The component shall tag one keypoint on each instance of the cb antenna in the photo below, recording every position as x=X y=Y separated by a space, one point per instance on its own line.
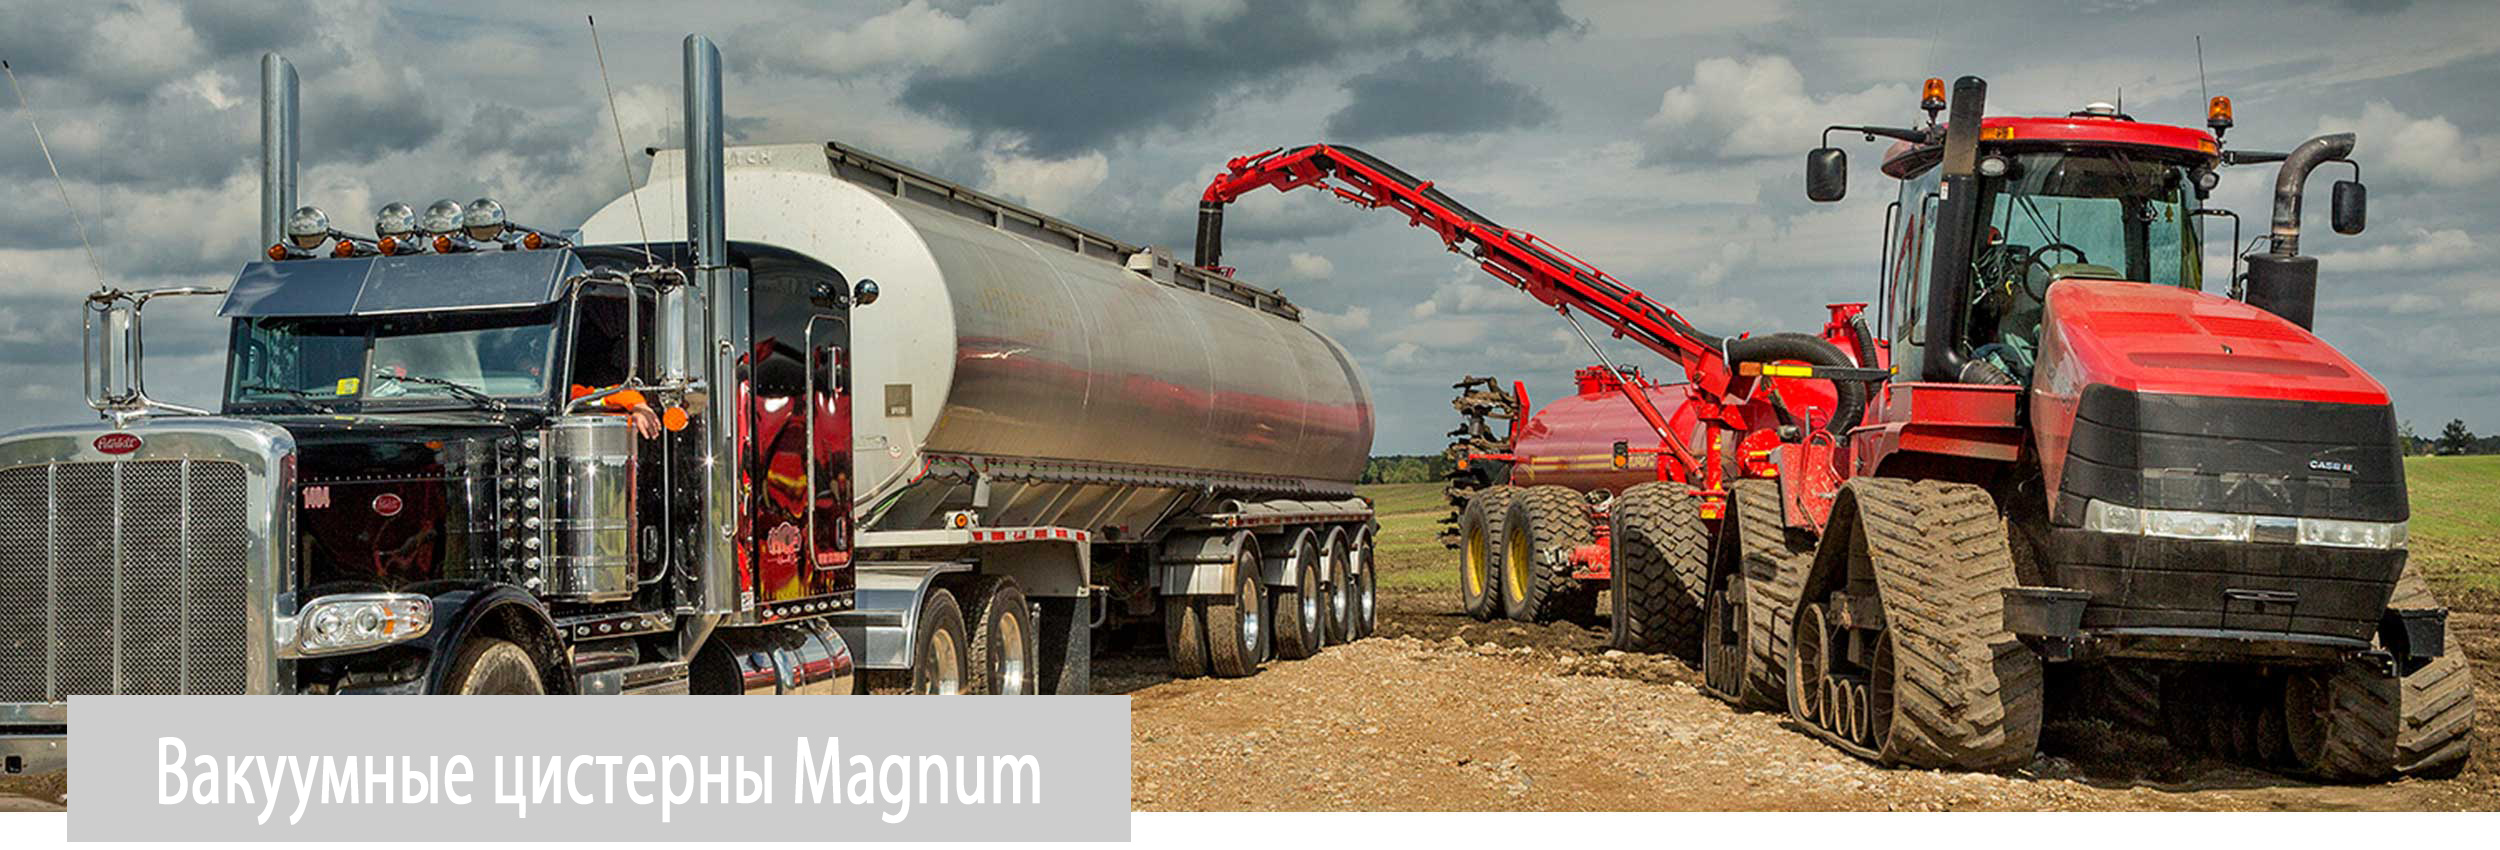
x=57 y=182
x=2201 y=90
x=623 y=159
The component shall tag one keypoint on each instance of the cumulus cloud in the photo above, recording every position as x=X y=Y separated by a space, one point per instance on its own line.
x=1434 y=96
x=2430 y=151
x=1751 y=107
x=1050 y=185
x=2421 y=249
x=1311 y=267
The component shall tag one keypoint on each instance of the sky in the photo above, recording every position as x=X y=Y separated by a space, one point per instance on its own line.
x=1662 y=142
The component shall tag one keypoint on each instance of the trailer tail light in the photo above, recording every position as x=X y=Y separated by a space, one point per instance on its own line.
x=1623 y=454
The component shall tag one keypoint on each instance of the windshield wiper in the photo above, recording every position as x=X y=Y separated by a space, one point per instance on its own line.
x=300 y=395
x=464 y=391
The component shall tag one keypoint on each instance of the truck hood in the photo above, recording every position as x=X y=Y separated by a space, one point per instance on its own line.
x=2165 y=340
x=387 y=502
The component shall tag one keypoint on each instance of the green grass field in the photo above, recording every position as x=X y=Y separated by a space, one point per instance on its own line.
x=2455 y=531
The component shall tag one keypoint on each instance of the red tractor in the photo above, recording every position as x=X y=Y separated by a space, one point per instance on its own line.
x=2049 y=468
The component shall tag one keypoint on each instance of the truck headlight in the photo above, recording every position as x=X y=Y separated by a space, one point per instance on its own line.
x=349 y=622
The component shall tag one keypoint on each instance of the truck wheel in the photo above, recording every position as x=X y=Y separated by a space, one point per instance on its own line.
x=1005 y=652
x=1661 y=565
x=2359 y=722
x=1367 y=586
x=1237 y=635
x=1773 y=561
x=1480 y=551
x=1302 y=611
x=494 y=666
x=1545 y=524
x=1185 y=636
x=1948 y=686
x=941 y=665
x=1341 y=587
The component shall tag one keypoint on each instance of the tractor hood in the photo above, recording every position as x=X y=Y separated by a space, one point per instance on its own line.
x=2165 y=340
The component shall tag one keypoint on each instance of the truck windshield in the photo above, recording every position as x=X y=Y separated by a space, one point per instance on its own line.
x=2089 y=214
x=340 y=364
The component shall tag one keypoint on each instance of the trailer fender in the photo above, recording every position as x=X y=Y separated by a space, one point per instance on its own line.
x=1277 y=551
x=1201 y=564
x=498 y=611
x=1044 y=568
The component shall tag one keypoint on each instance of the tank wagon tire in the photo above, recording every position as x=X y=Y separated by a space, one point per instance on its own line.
x=1774 y=561
x=1237 y=628
x=1480 y=551
x=494 y=666
x=1005 y=650
x=942 y=664
x=1340 y=587
x=1301 y=619
x=1545 y=524
x=1184 y=637
x=1961 y=692
x=1367 y=586
x=2358 y=722
x=1661 y=568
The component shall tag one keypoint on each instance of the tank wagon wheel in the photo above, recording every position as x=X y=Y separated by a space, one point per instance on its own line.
x=1661 y=569
x=1301 y=619
x=1185 y=636
x=1481 y=548
x=1237 y=629
x=943 y=665
x=2360 y=722
x=1367 y=587
x=1341 y=586
x=493 y=666
x=1958 y=690
x=1546 y=523
x=1004 y=651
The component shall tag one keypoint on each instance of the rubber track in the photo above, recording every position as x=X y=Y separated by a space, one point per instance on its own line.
x=1662 y=566
x=1775 y=567
x=1557 y=521
x=2421 y=725
x=1969 y=693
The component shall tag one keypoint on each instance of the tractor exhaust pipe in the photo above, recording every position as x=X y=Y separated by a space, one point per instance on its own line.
x=1957 y=220
x=2281 y=281
x=277 y=147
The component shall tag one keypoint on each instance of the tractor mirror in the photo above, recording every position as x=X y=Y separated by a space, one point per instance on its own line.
x=1827 y=174
x=2352 y=206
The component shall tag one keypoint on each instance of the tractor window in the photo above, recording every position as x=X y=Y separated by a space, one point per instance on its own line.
x=1910 y=242
x=2057 y=215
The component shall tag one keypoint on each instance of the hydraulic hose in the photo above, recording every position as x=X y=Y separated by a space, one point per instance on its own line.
x=1812 y=350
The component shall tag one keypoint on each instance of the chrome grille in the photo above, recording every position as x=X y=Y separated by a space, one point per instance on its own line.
x=122 y=577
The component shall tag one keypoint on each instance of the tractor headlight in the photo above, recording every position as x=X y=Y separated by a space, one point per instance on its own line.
x=2351 y=534
x=349 y=622
x=2107 y=518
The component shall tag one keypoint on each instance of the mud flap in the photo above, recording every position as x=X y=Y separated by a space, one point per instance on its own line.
x=1067 y=644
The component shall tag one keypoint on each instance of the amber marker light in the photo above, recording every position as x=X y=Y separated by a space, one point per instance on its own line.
x=2218 y=113
x=1931 y=95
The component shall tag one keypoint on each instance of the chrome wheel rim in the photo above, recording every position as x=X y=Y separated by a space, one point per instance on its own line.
x=945 y=668
x=1009 y=660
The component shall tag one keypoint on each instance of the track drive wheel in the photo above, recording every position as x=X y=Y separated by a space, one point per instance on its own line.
x=1661 y=567
x=1480 y=551
x=1545 y=524
x=1760 y=598
x=2360 y=722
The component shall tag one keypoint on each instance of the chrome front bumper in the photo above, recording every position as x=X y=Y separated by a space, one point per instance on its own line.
x=34 y=738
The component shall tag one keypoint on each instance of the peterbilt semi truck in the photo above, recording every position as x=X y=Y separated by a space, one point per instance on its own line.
x=811 y=422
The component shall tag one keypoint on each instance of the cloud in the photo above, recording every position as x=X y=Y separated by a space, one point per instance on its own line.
x=2418 y=152
x=1310 y=266
x=1050 y=185
x=2423 y=249
x=1747 y=108
x=1434 y=96
x=911 y=35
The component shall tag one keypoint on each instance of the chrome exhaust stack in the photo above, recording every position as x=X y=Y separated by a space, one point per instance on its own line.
x=724 y=307
x=278 y=135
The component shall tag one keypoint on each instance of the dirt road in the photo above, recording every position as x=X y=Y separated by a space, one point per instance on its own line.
x=1446 y=713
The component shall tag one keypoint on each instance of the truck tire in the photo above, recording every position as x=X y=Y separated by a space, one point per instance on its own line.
x=1302 y=610
x=494 y=666
x=2359 y=722
x=1774 y=560
x=1185 y=636
x=1480 y=551
x=1661 y=564
x=1005 y=653
x=1367 y=585
x=1545 y=524
x=1341 y=586
x=1237 y=633
x=941 y=660
x=1948 y=687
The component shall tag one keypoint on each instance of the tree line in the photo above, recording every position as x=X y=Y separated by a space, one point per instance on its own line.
x=2453 y=439
x=1408 y=469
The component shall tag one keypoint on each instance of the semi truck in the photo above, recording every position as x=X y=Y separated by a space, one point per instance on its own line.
x=783 y=419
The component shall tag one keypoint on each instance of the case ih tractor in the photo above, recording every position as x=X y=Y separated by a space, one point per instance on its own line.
x=2049 y=469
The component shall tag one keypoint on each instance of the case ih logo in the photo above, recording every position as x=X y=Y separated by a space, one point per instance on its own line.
x=2331 y=466
x=387 y=504
x=117 y=443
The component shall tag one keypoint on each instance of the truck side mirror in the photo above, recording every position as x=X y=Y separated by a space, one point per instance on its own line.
x=866 y=292
x=2352 y=206
x=1827 y=174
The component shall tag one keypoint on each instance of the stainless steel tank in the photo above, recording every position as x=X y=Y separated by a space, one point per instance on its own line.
x=1038 y=357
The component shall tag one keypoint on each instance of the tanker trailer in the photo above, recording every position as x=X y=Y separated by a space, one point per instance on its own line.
x=1054 y=415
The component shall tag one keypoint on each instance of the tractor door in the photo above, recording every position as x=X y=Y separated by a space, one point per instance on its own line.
x=1907 y=253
